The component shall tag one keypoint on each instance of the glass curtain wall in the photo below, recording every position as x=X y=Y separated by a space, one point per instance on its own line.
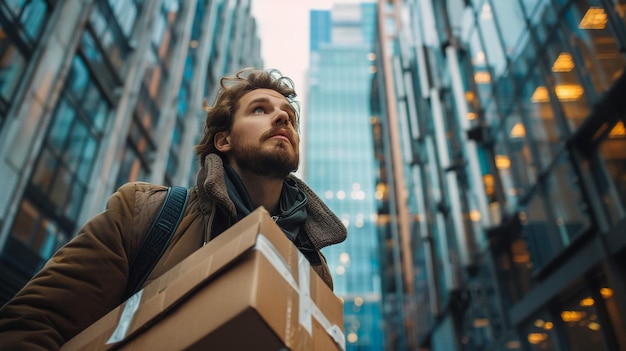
x=48 y=212
x=517 y=121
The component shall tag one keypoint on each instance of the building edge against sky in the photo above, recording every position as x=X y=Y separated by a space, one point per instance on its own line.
x=499 y=131
x=339 y=163
x=97 y=93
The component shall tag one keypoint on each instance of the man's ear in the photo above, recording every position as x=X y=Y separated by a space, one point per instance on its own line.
x=222 y=141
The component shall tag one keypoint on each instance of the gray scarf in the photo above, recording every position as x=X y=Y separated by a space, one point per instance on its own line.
x=292 y=203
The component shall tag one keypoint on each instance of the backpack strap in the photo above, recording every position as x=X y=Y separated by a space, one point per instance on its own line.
x=158 y=238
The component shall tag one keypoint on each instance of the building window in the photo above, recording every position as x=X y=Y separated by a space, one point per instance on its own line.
x=137 y=158
x=173 y=160
x=541 y=125
x=620 y=7
x=565 y=200
x=539 y=230
x=140 y=148
x=540 y=333
x=38 y=232
x=510 y=19
x=21 y=25
x=582 y=323
x=568 y=89
x=594 y=42
x=517 y=161
x=57 y=186
x=112 y=23
x=608 y=165
x=12 y=64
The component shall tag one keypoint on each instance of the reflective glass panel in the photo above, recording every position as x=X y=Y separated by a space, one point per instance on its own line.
x=582 y=323
x=61 y=125
x=531 y=6
x=591 y=39
x=566 y=202
x=131 y=167
x=482 y=72
x=611 y=173
x=511 y=22
x=12 y=65
x=42 y=176
x=88 y=157
x=60 y=186
x=615 y=318
x=78 y=78
x=523 y=266
x=568 y=88
x=495 y=59
x=620 y=8
x=125 y=13
x=37 y=231
x=512 y=160
x=543 y=129
x=540 y=333
x=543 y=21
x=524 y=57
x=33 y=17
x=523 y=168
x=540 y=231
x=75 y=145
x=25 y=222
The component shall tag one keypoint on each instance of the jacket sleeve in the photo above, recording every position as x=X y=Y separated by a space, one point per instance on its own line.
x=84 y=280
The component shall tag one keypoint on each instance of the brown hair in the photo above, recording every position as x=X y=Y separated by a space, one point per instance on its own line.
x=220 y=116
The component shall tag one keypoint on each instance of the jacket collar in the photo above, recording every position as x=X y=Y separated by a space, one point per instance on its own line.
x=322 y=225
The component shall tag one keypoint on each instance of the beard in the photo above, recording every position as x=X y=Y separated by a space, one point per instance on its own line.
x=272 y=162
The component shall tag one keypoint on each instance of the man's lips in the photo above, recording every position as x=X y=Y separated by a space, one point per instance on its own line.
x=282 y=135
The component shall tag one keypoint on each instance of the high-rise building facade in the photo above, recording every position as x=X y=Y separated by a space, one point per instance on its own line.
x=503 y=155
x=339 y=163
x=97 y=93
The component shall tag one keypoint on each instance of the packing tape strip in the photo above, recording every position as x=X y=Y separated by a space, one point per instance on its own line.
x=304 y=278
x=132 y=305
x=307 y=308
x=269 y=251
x=332 y=329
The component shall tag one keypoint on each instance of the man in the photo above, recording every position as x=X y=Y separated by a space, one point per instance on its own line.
x=249 y=149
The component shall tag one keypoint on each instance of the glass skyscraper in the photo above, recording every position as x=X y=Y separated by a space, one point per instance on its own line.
x=339 y=162
x=503 y=152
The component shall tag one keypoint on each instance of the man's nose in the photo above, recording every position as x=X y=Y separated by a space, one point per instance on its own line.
x=281 y=117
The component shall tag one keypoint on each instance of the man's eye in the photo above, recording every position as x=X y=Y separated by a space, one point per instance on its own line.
x=258 y=110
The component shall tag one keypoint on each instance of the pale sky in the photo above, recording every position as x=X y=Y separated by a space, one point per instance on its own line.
x=283 y=26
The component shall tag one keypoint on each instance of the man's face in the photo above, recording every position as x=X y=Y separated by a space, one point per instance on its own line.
x=263 y=139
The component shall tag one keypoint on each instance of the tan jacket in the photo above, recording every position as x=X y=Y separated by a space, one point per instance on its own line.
x=87 y=277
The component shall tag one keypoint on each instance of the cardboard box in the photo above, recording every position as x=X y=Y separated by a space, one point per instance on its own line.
x=248 y=289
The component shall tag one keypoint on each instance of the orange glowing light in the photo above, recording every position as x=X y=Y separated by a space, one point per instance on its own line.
x=563 y=63
x=594 y=18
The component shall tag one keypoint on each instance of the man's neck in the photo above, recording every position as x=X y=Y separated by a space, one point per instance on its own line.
x=263 y=191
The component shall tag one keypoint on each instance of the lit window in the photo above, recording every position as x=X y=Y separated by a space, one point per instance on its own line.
x=503 y=162
x=595 y=18
x=618 y=131
x=563 y=63
x=518 y=130
x=482 y=77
